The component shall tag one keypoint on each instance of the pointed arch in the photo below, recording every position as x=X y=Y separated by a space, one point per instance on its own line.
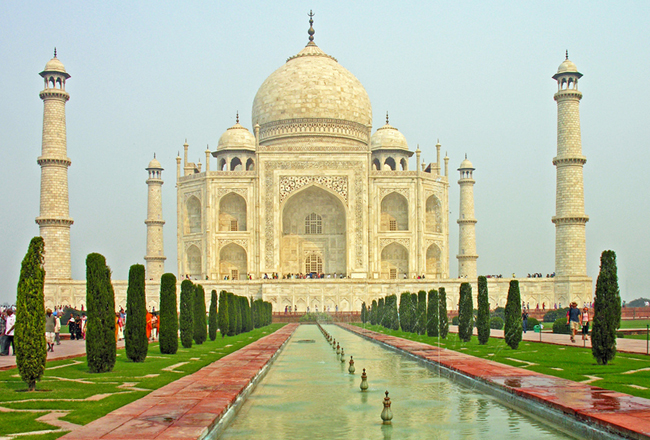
x=376 y=165
x=433 y=215
x=394 y=213
x=193 y=215
x=394 y=261
x=235 y=164
x=434 y=262
x=404 y=164
x=250 y=164
x=389 y=164
x=193 y=261
x=222 y=165
x=233 y=262
x=232 y=213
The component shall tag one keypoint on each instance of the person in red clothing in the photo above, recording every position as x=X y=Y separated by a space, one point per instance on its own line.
x=149 y=325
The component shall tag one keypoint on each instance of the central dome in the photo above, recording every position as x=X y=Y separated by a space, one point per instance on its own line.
x=312 y=94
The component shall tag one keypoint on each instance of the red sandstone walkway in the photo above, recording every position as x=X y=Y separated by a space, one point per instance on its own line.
x=189 y=407
x=623 y=345
x=627 y=415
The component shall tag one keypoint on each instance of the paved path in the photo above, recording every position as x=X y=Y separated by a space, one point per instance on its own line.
x=616 y=412
x=191 y=406
x=623 y=345
x=68 y=349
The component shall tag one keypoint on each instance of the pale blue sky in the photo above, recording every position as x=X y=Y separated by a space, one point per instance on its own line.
x=477 y=75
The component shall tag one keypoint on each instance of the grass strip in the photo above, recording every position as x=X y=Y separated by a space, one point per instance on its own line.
x=89 y=396
x=627 y=373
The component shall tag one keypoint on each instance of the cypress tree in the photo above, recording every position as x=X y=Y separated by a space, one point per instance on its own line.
x=607 y=310
x=135 y=331
x=29 y=331
x=465 y=313
x=223 y=313
x=168 y=315
x=212 y=321
x=100 y=323
x=414 y=312
x=200 y=326
x=380 y=312
x=422 y=312
x=232 y=315
x=238 y=315
x=483 y=314
x=432 y=314
x=405 y=311
x=373 y=312
x=364 y=313
x=187 y=313
x=442 y=312
x=513 y=325
x=390 y=315
x=246 y=314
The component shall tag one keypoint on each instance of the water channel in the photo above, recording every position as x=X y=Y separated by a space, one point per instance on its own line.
x=309 y=394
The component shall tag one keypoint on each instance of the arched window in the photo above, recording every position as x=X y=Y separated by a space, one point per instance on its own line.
x=313 y=224
x=313 y=263
x=194 y=261
x=235 y=164
x=376 y=165
x=433 y=215
x=222 y=165
x=389 y=164
x=404 y=164
x=232 y=213
x=394 y=213
x=193 y=215
x=250 y=165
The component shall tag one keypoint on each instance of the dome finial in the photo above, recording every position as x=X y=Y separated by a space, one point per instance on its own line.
x=311 y=30
x=566 y=54
x=154 y=155
x=237 y=117
x=387 y=117
x=55 y=52
x=465 y=155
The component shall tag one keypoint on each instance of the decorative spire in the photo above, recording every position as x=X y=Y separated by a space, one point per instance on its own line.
x=387 y=117
x=55 y=52
x=237 y=117
x=465 y=155
x=311 y=30
x=154 y=155
x=566 y=56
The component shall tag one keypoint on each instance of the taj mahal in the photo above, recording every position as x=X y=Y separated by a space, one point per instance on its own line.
x=312 y=207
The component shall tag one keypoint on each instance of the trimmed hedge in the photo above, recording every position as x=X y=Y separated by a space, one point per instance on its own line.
x=433 y=328
x=560 y=326
x=442 y=312
x=135 y=330
x=200 y=333
x=422 y=312
x=100 y=324
x=465 y=313
x=29 y=330
x=373 y=312
x=496 y=323
x=186 y=319
x=405 y=308
x=513 y=325
x=168 y=315
x=483 y=314
x=212 y=316
x=224 y=318
x=390 y=313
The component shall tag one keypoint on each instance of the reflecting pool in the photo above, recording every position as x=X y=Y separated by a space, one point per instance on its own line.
x=309 y=394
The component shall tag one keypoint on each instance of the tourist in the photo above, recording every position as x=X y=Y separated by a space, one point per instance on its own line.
x=3 y=337
x=149 y=322
x=50 y=324
x=84 y=320
x=78 y=327
x=9 y=332
x=524 y=318
x=154 y=327
x=71 y=327
x=585 y=324
x=57 y=328
x=574 y=319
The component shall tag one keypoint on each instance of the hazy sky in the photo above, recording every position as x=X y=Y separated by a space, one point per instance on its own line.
x=477 y=75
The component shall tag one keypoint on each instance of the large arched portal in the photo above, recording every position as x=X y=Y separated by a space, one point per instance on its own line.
x=434 y=269
x=233 y=262
x=313 y=228
x=232 y=213
x=394 y=262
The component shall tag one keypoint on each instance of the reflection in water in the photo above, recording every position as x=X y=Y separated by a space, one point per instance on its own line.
x=309 y=394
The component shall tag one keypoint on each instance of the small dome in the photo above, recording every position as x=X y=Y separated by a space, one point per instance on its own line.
x=567 y=66
x=154 y=164
x=54 y=65
x=466 y=164
x=236 y=137
x=388 y=137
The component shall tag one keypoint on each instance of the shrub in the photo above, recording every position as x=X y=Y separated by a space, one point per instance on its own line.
x=168 y=315
x=483 y=313
x=391 y=311
x=364 y=313
x=29 y=330
x=380 y=312
x=560 y=326
x=513 y=325
x=232 y=312
x=422 y=312
x=465 y=313
x=187 y=313
x=532 y=322
x=100 y=324
x=552 y=315
x=212 y=316
x=414 y=312
x=432 y=314
x=454 y=320
x=442 y=312
x=405 y=311
x=607 y=310
x=500 y=312
x=135 y=330
x=373 y=312
x=200 y=333
x=224 y=319
x=238 y=314
x=496 y=323
x=315 y=317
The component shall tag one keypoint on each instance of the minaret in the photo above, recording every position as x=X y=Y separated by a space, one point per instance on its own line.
x=467 y=223
x=155 y=257
x=570 y=218
x=54 y=219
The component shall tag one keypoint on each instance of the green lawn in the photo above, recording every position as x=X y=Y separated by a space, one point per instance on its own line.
x=637 y=323
x=573 y=363
x=67 y=383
